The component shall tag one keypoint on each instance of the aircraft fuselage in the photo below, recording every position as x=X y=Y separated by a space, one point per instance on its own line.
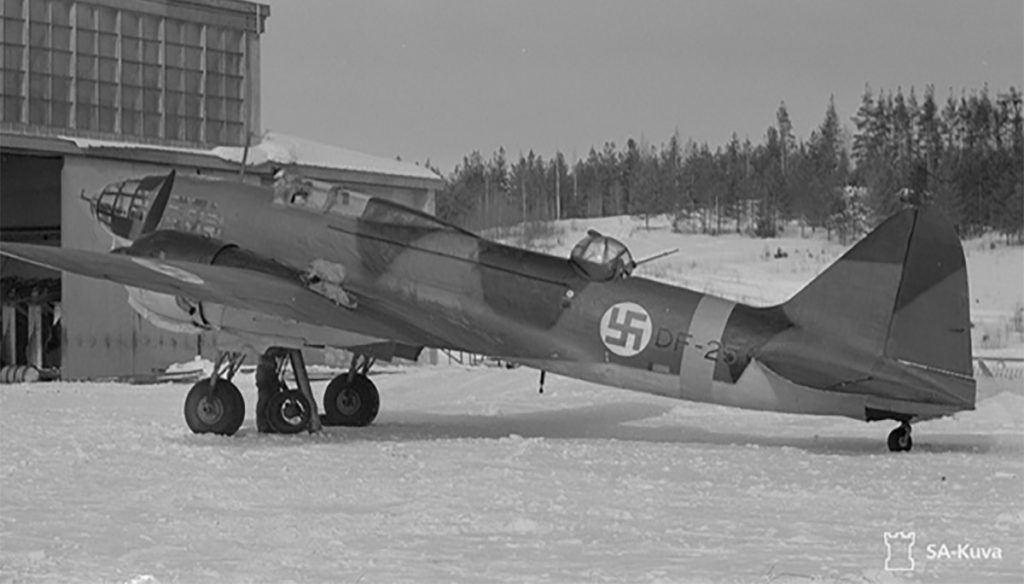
x=444 y=287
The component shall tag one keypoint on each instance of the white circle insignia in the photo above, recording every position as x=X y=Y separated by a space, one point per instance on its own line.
x=169 y=270
x=626 y=329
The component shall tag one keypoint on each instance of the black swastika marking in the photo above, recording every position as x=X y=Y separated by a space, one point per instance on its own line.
x=624 y=329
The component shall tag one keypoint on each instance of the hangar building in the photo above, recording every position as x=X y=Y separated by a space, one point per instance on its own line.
x=98 y=91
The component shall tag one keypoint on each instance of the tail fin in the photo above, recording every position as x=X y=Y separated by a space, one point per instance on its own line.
x=900 y=292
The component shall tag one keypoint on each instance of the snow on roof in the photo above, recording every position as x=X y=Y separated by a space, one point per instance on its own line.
x=278 y=148
x=285 y=149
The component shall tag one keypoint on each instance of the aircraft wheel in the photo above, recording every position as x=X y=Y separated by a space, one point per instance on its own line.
x=899 y=439
x=354 y=404
x=288 y=412
x=219 y=410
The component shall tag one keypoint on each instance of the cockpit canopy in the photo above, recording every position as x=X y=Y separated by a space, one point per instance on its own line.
x=602 y=258
x=121 y=207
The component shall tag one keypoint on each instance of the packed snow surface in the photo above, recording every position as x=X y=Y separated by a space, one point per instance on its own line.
x=469 y=475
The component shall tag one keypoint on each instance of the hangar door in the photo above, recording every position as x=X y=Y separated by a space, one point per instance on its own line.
x=30 y=211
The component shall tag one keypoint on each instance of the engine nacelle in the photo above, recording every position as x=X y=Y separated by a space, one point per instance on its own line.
x=174 y=245
x=172 y=313
x=244 y=328
x=185 y=315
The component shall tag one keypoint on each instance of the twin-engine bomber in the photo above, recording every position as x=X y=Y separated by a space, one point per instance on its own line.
x=882 y=334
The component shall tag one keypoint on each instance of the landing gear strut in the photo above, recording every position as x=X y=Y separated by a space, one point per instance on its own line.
x=351 y=399
x=282 y=409
x=214 y=405
x=899 y=439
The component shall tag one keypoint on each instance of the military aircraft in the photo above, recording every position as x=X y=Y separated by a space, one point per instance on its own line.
x=881 y=334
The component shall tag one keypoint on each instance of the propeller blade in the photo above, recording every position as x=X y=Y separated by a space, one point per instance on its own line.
x=156 y=210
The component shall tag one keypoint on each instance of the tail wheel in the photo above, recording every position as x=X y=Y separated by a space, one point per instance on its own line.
x=899 y=439
x=219 y=409
x=288 y=412
x=351 y=404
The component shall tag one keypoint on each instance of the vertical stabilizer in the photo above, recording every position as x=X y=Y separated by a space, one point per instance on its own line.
x=931 y=317
x=854 y=297
x=900 y=293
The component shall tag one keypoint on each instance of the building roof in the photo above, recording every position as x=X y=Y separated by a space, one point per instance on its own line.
x=275 y=149
x=239 y=14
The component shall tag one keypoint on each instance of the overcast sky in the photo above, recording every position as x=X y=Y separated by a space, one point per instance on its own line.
x=437 y=79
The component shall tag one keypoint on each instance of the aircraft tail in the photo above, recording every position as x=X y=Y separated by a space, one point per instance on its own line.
x=901 y=293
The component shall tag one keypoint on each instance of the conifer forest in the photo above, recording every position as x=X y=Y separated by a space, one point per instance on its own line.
x=963 y=154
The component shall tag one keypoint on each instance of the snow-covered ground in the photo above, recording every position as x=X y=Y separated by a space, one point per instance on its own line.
x=470 y=476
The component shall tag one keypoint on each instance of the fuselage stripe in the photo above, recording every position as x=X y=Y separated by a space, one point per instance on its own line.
x=697 y=368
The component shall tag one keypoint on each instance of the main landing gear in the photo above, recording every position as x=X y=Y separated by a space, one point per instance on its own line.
x=279 y=408
x=214 y=405
x=351 y=399
x=899 y=439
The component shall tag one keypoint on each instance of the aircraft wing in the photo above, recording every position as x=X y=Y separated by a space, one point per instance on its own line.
x=236 y=287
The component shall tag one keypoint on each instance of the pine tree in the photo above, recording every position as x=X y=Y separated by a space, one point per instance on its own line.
x=670 y=172
x=648 y=197
x=1010 y=197
x=827 y=167
x=558 y=175
x=498 y=190
x=734 y=170
x=785 y=134
x=609 y=177
x=769 y=176
x=902 y=146
x=629 y=170
x=865 y=141
x=591 y=185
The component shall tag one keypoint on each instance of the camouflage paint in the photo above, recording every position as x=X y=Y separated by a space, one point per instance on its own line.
x=857 y=341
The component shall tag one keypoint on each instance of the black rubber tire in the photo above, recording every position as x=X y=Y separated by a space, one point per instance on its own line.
x=900 y=440
x=288 y=412
x=217 y=411
x=351 y=405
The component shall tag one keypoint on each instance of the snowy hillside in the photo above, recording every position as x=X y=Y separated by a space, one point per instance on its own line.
x=996 y=275
x=469 y=475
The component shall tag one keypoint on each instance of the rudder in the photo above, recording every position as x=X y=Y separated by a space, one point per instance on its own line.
x=901 y=292
x=931 y=323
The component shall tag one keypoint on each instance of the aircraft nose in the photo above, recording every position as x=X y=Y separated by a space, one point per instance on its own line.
x=132 y=207
x=114 y=206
